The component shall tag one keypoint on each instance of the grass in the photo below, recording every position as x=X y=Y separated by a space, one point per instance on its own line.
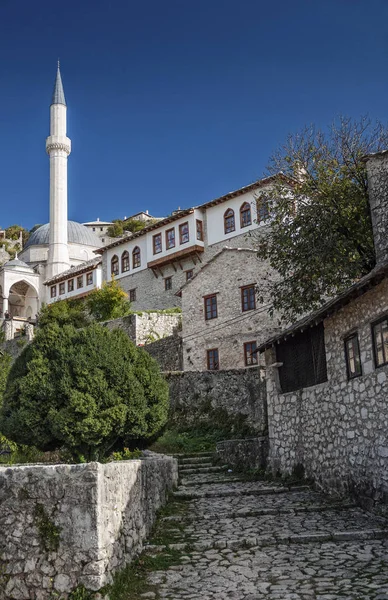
x=174 y=441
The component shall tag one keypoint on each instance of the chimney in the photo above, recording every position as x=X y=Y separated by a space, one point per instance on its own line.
x=377 y=170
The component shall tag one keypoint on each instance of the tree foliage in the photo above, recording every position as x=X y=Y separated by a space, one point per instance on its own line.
x=13 y=231
x=120 y=227
x=83 y=390
x=64 y=312
x=320 y=239
x=108 y=302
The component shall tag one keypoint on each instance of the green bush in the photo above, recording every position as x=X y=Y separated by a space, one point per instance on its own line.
x=64 y=312
x=86 y=391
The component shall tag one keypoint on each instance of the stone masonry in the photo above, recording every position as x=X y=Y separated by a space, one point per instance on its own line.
x=146 y=327
x=224 y=276
x=338 y=429
x=240 y=393
x=226 y=538
x=68 y=525
x=377 y=168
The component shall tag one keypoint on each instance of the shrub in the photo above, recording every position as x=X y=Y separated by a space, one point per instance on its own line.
x=83 y=390
x=64 y=312
x=108 y=302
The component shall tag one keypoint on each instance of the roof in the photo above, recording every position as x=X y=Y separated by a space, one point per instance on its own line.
x=58 y=93
x=225 y=249
x=76 y=234
x=182 y=213
x=89 y=265
x=359 y=288
x=381 y=153
x=97 y=223
x=16 y=263
x=131 y=236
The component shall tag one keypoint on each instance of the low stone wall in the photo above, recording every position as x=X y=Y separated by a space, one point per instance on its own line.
x=167 y=352
x=240 y=393
x=249 y=453
x=62 y=526
x=147 y=327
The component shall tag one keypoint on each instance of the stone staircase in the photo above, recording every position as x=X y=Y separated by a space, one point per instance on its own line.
x=223 y=536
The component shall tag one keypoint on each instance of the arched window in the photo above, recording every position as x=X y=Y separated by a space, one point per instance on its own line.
x=229 y=224
x=262 y=209
x=136 y=262
x=125 y=261
x=114 y=265
x=245 y=215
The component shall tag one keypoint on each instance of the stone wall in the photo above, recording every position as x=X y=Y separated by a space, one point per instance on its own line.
x=377 y=167
x=245 y=454
x=224 y=276
x=337 y=430
x=144 y=328
x=167 y=352
x=240 y=393
x=68 y=525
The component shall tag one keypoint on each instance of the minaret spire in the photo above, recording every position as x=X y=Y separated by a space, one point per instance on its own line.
x=58 y=93
x=58 y=148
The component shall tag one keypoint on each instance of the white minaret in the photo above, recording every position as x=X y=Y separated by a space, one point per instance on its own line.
x=58 y=148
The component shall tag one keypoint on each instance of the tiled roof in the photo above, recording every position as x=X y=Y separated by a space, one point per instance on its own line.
x=359 y=288
x=86 y=266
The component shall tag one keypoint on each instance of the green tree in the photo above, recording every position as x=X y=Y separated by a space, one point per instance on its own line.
x=320 y=236
x=83 y=390
x=5 y=366
x=108 y=302
x=117 y=229
x=65 y=312
x=13 y=231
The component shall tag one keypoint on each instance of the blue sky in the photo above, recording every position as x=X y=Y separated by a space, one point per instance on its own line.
x=172 y=103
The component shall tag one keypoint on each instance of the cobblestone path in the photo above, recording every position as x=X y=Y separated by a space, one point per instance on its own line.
x=225 y=538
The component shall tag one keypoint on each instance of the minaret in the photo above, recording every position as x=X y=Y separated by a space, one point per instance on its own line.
x=58 y=147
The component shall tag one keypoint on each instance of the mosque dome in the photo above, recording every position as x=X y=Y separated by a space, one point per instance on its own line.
x=76 y=234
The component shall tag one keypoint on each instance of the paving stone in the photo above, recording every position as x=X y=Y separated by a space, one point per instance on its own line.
x=255 y=540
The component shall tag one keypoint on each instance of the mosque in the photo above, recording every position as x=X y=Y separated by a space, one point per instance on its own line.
x=54 y=247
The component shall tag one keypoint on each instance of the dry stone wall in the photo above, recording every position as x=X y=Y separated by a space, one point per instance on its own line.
x=239 y=393
x=337 y=430
x=167 y=352
x=147 y=327
x=62 y=526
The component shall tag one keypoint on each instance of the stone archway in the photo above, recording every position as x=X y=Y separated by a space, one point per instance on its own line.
x=23 y=300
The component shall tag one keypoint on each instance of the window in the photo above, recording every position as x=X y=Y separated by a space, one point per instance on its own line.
x=249 y=355
x=245 y=215
x=380 y=341
x=136 y=257
x=132 y=295
x=303 y=359
x=89 y=278
x=262 y=210
x=61 y=288
x=125 y=261
x=157 y=243
x=210 y=307
x=70 y=285
x=248 y=298
x=53 y=291
x=189 y=274
x=101 y=229
x=168 y=283
x=199 y=230
x=213 y=364
x=80 y=282
x=184 y=233
x=114 y=265
x=94 y=229
x=352 y=355
x=229 y=224
x=170 y=238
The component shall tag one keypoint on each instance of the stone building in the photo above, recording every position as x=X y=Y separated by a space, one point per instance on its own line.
x=222 y=321
x=327 y=377
x=153 y=264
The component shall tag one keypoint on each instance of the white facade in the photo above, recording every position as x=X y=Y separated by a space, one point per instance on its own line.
x=76 y=284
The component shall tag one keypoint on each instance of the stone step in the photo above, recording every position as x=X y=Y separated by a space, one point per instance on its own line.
x=262 y=541
x=238 y=491
x=194 y=465
x=261 y=512
x=213 y=479
x=195 y=457
x=202 y=469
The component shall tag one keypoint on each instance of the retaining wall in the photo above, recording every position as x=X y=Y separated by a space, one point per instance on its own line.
x=62 y=526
